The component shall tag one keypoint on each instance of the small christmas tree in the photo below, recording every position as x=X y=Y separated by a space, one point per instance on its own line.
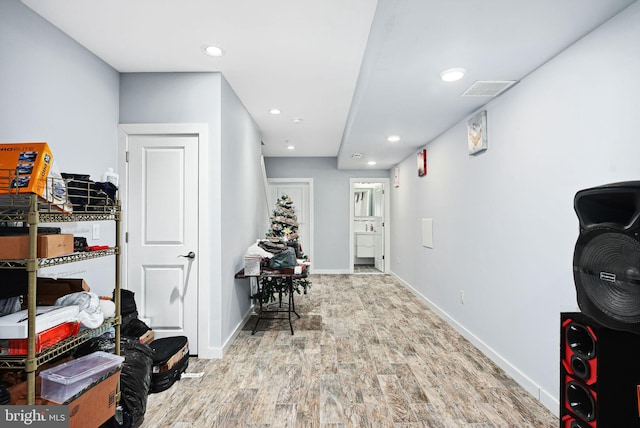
x=284 y=222
x=284 y=229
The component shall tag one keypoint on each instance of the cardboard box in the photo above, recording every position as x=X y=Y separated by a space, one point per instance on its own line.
x=62 y=383
x=30 y=163
x=17 y=247
x=96 y=405
x=49 y=289
x=90 y=409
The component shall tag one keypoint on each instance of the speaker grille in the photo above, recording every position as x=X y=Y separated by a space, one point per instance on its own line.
x=607 y=270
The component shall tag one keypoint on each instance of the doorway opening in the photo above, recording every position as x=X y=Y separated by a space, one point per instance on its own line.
x=369 y=230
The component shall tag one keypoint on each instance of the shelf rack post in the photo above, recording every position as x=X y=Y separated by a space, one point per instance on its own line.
x=118 y=273
x=32 y=267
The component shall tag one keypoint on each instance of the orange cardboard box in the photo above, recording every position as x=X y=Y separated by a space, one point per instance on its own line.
x=90 y=409
x=25 y=168
x=49 y=289
x=17 y=247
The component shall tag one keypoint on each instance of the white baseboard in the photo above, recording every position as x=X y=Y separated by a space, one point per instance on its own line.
x=329 y=271
x=550 y=401
x=218 y=352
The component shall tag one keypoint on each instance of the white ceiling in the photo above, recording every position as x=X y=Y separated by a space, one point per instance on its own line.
x=355 y=71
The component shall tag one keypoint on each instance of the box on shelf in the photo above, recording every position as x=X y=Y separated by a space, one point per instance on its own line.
x=44 y=339
x=26 y=167
x=14 y=326
x=49 y=289
x=92 y=408
x=17 y=247
x=96 y=405
x=29 y=168
x=62 y=382
x=252 y=265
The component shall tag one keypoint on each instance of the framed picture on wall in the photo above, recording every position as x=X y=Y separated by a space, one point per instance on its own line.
x=477 y=133
x=422 y=162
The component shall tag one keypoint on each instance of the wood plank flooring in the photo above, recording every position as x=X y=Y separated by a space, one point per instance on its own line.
x=381 y=359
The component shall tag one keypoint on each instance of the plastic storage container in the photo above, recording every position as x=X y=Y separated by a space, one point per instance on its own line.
x=252 y=265
x=64 y=381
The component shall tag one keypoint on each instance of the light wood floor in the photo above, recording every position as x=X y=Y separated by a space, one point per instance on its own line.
x=380 y=358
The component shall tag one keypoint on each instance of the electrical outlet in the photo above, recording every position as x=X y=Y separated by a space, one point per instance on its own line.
x=462 y=297
x=96 y=231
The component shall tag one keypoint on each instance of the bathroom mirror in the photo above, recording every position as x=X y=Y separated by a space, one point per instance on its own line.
x=362 y=200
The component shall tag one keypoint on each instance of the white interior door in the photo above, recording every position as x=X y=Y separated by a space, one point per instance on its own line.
x=162 y=201
x=300 y=194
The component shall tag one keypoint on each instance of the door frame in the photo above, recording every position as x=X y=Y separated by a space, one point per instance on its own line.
x=387 y=223
x=201 y=130
x=309 y=182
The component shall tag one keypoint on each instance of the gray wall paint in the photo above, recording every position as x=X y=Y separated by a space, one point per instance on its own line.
x=243 y=205
x=504 y=228
x=331 y=204
x=54 y=90
x=234 y=177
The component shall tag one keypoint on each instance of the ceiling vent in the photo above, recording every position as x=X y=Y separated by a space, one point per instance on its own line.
x=488 y=88
x=357 y=156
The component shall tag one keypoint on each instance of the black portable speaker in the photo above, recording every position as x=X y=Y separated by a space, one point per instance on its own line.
x=606 y=260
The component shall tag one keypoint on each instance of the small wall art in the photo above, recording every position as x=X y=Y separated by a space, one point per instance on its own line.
x=422 y=162
x=477 y=133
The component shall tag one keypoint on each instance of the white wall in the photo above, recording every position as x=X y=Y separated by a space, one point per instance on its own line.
x=504 y=228
x=54 y=90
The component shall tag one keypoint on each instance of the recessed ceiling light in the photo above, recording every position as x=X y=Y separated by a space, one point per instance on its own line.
x=393 y=138
x=291 y=147
x=275 y=111
x=297 y=120
x=371 y=163
x=213 y=50
x=452 y=74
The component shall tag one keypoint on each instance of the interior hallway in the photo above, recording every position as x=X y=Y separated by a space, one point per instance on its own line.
x=372 y=355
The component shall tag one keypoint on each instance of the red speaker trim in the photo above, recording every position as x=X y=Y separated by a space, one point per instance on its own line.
x=567 y=419
x=568 y=353
x=567 y=407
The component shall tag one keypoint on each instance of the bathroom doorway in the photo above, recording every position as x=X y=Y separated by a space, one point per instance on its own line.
x=369 y=225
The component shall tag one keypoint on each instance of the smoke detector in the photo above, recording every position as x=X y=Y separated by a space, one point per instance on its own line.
x=488 y=88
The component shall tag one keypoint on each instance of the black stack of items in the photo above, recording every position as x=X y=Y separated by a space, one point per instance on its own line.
x=135 y=378
x=131 y=326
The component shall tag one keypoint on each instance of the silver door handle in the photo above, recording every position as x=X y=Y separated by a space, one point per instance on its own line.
x=191 y=255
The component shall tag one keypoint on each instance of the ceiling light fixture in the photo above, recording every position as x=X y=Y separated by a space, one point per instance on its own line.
x=291 y=147
x=275 y=111
x=297 y=120
x=371 y=163
x=393 y=138
x=452 y=74
x=212 y=50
